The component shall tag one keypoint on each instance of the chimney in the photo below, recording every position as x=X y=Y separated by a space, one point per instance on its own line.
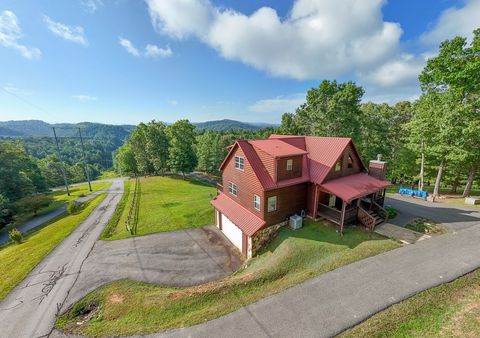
x=377 y=168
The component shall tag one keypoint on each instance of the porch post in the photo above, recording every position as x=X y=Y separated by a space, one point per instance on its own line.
x=342 y=216
x=315 y=206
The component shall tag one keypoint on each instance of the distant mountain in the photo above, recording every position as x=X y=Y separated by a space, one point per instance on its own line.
x=37 y=128
x=224 y=125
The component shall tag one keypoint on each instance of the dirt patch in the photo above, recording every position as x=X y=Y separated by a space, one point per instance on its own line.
x=115 y=298
x=213 y=286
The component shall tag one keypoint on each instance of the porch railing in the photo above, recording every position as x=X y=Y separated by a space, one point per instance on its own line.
x=380 y=210
x=329 y=213
x=365 y=218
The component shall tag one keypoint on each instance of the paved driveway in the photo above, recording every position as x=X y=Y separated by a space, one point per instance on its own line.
x=176 y=258
x=452 y=217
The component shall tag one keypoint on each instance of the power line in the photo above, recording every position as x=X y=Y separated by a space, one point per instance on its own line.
x=24 y=100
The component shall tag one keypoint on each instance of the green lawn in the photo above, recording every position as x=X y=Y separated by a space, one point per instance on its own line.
x=60 y=197
x=128 y=308
x=17 y=260
x=120 y=213
x=449 y=310
x=167 y=203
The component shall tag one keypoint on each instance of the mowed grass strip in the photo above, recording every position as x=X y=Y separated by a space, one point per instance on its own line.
x=129 y=308
x=168 y=203
x=115 y=220
x=448 y=310
x=17 y=260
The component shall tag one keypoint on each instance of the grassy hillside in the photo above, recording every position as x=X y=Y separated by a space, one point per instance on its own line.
x=130 y=308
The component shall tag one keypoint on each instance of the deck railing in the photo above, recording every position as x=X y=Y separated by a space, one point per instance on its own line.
x=380 y=210
x=365 y=218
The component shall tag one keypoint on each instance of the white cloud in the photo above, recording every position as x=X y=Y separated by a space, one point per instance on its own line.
x=279 y=104
x=84 y=98
x=317 y=39
x=399 y=71
x=71 y=33
x=151 y=51
x=91 y=6
x=10 y=33
x=129 y=47
x=454 y=22
x=154 y=51
x=173 y=102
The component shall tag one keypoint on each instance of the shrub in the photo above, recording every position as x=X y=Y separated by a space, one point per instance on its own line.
x=72 y=207
x=15 y=235
x=33 y=203
x=392 y=212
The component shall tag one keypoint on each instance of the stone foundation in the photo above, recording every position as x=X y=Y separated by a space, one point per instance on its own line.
x=262 y=237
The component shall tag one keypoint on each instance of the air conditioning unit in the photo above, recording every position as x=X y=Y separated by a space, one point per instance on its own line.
x=295 y=222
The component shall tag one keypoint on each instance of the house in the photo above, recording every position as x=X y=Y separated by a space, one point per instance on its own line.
x=264 y=182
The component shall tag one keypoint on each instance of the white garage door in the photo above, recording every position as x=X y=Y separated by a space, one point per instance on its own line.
x=233 y=233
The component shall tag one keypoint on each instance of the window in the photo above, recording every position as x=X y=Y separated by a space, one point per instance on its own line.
x=272 y=203
x=239 y=162
x=289 y=165
x=338 y=165
x=350 y=162
x=232 y=188
x=256 y=202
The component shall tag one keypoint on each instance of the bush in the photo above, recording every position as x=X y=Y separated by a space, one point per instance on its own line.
x=72 y=207
x=15 y=235
x=33 y=203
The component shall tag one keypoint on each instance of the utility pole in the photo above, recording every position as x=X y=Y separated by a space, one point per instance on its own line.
x=420 y=183
x=84 y=160
x=62 y=169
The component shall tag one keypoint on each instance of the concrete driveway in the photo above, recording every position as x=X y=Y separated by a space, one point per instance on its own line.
x=177 y=258
x=454 y=218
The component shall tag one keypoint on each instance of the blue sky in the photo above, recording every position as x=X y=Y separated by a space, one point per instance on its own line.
x=126 y=61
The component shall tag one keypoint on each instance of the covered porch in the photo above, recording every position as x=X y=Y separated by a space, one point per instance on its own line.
x=352 y=198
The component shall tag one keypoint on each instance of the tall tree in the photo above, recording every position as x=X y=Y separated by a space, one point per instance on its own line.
x=332 y=109
x=157 y=145
x=124 y=161
x=182 y=157
x=456 y=70
x=138 y=141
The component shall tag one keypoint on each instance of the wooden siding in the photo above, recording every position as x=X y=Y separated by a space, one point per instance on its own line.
x=268 y=162
x=246 y=181
x=290 y=200
x=344 y=171
x=283 y=173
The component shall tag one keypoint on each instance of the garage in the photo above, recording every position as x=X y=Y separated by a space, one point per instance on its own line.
x=233 y=233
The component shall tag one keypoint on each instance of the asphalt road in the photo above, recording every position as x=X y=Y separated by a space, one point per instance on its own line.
x=175 y=258
x=452 y=217
x=30 y=309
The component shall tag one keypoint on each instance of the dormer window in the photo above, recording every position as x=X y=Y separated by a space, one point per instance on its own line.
x=350 y=162
x=239 y=162
x=289 y=165
x=338 y=165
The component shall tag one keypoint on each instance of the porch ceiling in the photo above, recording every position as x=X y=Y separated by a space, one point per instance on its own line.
x=354 y=186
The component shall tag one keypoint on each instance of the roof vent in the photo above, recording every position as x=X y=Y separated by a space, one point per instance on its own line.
x=379 y=157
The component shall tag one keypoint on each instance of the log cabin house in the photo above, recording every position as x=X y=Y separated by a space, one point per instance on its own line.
x=264 y=182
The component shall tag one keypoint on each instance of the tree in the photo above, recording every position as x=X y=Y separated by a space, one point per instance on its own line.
x=5 y=211
x=209 y=151
x=157 y=145
x=455 y=70
x=182 y=157
x=138 y=141
x=125 y=162
x=33 y=203
x=332 y=109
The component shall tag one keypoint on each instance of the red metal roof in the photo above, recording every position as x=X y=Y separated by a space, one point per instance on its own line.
x=277 y=148
x=354 y=186
x=247 y=221
x=252 y=157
